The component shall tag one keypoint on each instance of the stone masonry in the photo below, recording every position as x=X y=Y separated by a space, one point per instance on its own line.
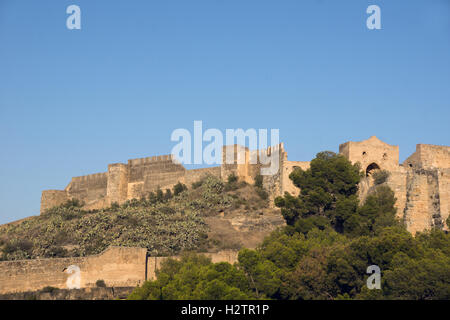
x=421 y=183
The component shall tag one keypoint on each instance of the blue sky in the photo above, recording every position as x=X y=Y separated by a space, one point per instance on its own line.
x=72 y=101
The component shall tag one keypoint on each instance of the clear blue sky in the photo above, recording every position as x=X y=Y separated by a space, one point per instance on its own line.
x=72 y=101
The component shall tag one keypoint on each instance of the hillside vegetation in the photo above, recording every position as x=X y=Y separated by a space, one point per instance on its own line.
x=324 y=251
x=166 y=223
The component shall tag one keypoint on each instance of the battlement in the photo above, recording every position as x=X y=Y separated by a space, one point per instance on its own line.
x=429 y=156
x=421 y=184
x=91 y=177
x=149 y=160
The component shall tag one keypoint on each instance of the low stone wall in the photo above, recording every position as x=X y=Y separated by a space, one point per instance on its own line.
x=74 y=294
x=117 y=266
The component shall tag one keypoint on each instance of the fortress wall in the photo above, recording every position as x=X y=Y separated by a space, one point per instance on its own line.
x=195 y=175
x=163 y=180
x=444 y=194
x=117 y=187
x=429 y=156
x=434 y=156
x=140 y=168
x=31 y=275
x=288 y=167
x=52 y=198
x=416 y=213
x=413 y=160
x=88 y=188
x=371 y=151
x=234 y=161
x=397 y=182
x=135 y=190
x=117 y=266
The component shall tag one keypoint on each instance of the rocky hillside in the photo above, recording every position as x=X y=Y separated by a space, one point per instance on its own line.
x=208 y=216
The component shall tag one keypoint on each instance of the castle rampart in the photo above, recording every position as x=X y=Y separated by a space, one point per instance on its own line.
x=116 y=266
x=421 y=183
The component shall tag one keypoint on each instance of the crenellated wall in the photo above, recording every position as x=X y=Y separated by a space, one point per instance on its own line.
x=421 y=183
x=116 y=266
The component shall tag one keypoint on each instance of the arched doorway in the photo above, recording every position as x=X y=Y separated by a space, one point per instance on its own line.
x=371 y=168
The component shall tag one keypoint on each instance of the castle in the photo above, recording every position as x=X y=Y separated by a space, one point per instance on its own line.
x=421 y=184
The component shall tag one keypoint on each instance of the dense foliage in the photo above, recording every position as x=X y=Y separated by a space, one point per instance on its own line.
x=324 y=251
x=195 y=277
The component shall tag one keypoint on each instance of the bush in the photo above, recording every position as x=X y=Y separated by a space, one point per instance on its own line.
x=232 y=183
x=56 y=252
x=100 y=284
x=259 y=181
x=179 y=188
x=159 y=195
x=49 y=289
x=115 y=206
x=168 y=195
x=232 y=178
x=262 y=193
x=380 y=176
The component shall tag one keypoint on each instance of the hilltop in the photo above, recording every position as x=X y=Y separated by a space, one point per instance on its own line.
x=207 y=216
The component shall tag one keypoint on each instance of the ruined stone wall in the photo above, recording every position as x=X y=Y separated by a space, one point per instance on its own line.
x=421 y=183
x=195 y=175
x=53 y=198
x=247 y=164
x=288 y=168
x=117 y=266
x=422 y=209
x=444 y=194
x=117 y=186
x=88 y=188
x=429 y=156
x=412 y=186
x=371 y=151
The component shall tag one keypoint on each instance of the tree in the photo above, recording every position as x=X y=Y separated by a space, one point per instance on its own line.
x=179 y=188
x=330 y=183
x=195 y=277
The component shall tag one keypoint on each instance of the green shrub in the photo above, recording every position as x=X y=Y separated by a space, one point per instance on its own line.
x=115 y=206
x=259 y=181
x=100 y=284
x=159 y=195
x=380 y=176
x=232 y=178
x=179 y=188
x=55 y=252
x=49 y=289
x=168 y=195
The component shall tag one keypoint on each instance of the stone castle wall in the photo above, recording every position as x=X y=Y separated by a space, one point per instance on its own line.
x=124 y=182
x=421 y=183
x=116 y=266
